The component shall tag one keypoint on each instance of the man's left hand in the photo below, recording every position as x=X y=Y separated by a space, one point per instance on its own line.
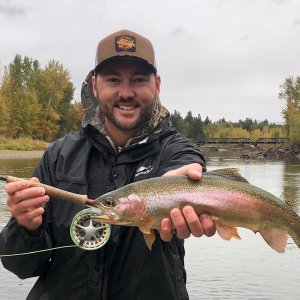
x=187 y=222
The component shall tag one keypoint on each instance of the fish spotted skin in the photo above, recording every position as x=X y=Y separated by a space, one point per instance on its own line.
x=224 y=194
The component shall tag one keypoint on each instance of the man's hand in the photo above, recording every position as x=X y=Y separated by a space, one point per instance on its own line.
x=26 y=203
x=187 y=222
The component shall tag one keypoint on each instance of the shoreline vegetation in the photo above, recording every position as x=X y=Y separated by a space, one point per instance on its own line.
x=22 y=144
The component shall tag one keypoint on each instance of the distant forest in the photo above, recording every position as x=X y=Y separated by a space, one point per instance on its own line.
x=196 y=128
x=39 y=103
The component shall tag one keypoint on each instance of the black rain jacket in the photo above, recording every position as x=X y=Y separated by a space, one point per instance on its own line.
x=124 y=269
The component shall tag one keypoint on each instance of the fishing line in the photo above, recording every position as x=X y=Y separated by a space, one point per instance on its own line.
x=38 y=251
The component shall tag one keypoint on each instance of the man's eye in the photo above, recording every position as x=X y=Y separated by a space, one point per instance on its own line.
x=140 y=79
x=113 y=80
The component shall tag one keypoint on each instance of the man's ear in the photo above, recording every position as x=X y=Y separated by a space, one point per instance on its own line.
x=94 y=85
x=157 y=82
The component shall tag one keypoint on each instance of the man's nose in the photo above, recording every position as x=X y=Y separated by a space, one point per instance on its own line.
x=126 y=91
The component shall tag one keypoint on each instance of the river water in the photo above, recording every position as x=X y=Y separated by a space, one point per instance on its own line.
x=216 y=269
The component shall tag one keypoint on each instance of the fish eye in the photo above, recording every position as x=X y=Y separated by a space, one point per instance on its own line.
x=109 y=202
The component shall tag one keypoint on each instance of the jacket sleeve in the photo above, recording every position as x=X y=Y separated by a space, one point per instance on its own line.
x=14 y=238
x=179 y=151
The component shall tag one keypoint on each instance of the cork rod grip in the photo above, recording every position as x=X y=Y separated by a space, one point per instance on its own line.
x=54 y=192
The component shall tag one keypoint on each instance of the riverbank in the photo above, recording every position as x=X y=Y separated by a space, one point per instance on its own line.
x=20 y=154
x=251 y=152
x=221 y=151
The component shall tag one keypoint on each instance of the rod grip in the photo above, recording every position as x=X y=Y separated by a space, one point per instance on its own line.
x=54 y=192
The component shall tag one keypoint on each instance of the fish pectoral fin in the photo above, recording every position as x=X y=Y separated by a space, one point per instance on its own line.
x=145 y=226
x=276 y=238
x=148 y=232
x=226 y=232
x=149 y=238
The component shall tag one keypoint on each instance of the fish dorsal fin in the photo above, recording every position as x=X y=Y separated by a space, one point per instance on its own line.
x=230 y=173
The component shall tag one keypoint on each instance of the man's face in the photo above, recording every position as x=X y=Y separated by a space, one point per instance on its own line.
x=127 y=92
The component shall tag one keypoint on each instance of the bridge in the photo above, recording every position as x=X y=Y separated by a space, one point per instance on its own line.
x=240 y=141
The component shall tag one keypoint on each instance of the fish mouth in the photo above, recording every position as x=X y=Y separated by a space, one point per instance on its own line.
x=108 y=216
x=110 y=220
x=106 y=219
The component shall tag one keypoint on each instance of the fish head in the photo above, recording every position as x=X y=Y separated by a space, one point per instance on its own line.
x=122 y=210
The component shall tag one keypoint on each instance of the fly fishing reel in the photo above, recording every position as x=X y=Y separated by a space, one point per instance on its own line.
x=87 y=233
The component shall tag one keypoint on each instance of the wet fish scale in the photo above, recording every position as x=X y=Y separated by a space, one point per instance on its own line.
x=224 y=194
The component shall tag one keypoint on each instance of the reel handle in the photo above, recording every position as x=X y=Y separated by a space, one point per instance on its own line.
x=55 y=192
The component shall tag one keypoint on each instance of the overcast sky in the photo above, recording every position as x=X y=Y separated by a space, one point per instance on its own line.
x=218 y=58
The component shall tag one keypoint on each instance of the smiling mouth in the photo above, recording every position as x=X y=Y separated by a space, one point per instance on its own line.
x=126 y=107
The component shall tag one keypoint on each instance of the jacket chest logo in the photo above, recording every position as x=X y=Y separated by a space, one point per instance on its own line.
x=143 y=170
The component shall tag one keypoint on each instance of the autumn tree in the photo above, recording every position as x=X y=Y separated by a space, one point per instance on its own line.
x=290 y=92
x=55 y=95
x=74 y=119
x=4 y=106
x=35 y=102
x=18 y=94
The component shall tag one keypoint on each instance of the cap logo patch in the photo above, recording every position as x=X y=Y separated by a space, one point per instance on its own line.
x=125 y=43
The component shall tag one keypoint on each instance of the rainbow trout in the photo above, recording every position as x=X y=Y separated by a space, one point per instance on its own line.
x=224 y=194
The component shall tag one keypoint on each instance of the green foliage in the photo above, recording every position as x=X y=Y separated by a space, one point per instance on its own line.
x=290 y=92
x=4 y=108
x=194 y=126
x=195 y=129
x=179 y=123
x=25 y=144
x=75 y=116
x=19 y=97
x=34 y=101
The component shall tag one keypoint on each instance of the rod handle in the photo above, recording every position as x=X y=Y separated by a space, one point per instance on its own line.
x=54 y=192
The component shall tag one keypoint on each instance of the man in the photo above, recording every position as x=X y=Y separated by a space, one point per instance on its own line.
x=126 y=137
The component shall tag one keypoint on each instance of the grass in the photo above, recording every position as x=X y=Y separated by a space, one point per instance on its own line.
x=25 y=144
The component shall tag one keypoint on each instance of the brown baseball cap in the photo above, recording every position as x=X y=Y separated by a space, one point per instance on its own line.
x=125 y=45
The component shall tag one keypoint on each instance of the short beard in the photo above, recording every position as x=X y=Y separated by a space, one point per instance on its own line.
x=144 y=117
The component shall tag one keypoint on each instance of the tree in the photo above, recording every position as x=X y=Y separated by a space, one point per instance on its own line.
x=55 y=93
x=247 y=124
x=65 y=111
x=290 y=92
x=189 y=120
x=207 y=121
x=75 y=117
x=35 y=102
x=4 y=106
x=20 y=98
x=179 y=123
x=196 y=129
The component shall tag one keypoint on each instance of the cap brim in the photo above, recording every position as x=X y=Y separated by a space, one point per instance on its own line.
x=124 y=58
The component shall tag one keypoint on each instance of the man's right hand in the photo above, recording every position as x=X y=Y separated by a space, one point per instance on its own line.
x=26 y=203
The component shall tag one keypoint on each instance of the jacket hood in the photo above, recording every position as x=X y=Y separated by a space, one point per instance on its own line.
x=92 y=115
